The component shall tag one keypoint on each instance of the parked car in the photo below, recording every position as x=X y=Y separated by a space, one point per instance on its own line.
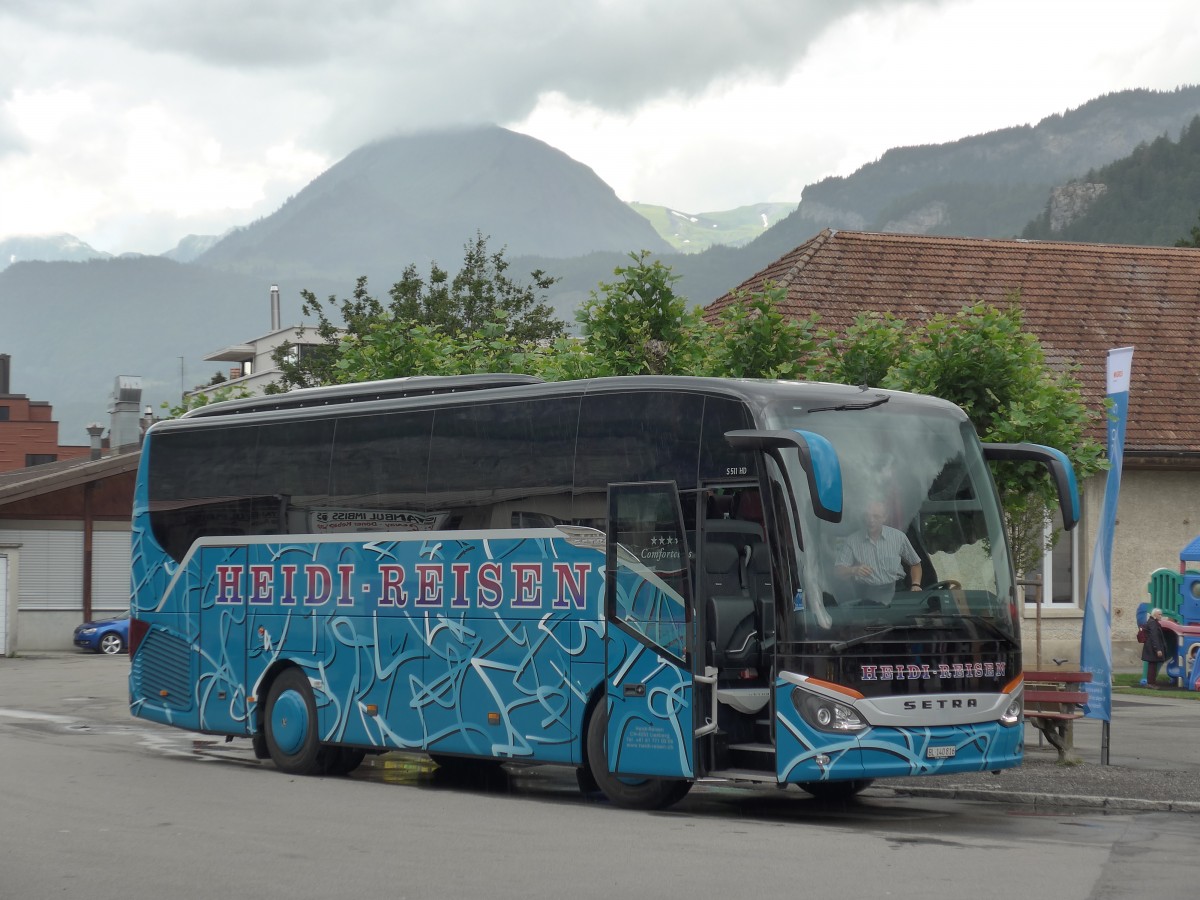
x=109 y=636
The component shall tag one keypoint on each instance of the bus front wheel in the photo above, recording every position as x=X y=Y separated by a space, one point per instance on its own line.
x=837 y=791
x=291 y=725
x=630 y=793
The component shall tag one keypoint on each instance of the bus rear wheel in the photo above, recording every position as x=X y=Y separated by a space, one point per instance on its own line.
x=290 y=725
x=630 y=793
x=341 y=760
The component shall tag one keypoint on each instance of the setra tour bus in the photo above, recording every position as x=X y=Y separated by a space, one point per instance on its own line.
x=643 y=578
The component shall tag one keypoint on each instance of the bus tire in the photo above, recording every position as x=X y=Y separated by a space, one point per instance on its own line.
x=629 y=793
x=837 y=790
x=338 y=761
x=290 y=725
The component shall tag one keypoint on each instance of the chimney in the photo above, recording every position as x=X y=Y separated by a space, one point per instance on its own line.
x=275 y=324
x=5 y=366
x=125 y=412
x=94 y=431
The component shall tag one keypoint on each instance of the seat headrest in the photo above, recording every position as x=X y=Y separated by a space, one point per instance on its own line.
x=720 y=557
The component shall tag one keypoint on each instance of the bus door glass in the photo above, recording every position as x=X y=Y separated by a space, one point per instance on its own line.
x=649 y=633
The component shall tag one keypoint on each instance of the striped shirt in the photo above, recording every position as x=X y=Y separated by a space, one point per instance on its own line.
x=889 y=556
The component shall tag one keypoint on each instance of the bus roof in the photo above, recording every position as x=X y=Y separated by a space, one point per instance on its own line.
x=362 y=392
x=424 y=391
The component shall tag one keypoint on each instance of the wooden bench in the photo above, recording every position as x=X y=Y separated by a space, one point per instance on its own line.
x=1052 y=704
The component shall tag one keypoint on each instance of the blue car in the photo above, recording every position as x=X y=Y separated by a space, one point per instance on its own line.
x=108 y=636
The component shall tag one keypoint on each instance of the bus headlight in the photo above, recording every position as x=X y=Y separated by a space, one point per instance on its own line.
x=1012 y=715
x=825 y=714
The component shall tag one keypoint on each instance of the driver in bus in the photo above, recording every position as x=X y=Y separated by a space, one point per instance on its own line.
x=878 y=557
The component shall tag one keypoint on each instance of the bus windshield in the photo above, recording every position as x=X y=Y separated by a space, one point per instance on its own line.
x=921 y=545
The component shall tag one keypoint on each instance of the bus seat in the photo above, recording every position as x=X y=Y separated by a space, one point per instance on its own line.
x=757 y=575
x=732 y=631
x=748 y=506
x=732 y=531
x=721 y=562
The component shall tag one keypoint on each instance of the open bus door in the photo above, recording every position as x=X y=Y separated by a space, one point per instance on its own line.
x=649 y=635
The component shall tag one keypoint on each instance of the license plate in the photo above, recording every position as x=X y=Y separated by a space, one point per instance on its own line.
x=939 y=752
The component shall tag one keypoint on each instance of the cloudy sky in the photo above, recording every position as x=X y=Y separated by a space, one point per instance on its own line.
x=131 y=123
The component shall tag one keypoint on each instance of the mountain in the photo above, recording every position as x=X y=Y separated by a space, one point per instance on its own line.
x=1150 y=197
x=49 y=247
x=192 y=246
x=695 y=232
x=72 y=327
x=988 y=185
x=420 y=198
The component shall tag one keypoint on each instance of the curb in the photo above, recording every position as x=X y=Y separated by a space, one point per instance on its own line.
x=1124 y=804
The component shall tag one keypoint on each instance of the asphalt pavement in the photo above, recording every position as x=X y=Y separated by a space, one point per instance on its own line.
x=1153 y=756
x=1153 y=742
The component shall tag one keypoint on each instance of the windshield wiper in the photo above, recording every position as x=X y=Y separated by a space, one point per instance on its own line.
x=879 y=400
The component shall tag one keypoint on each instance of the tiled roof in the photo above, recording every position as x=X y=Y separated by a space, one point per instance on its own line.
x=1081 y=300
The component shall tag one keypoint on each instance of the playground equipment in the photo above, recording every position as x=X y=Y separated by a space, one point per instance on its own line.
x=1177 y=594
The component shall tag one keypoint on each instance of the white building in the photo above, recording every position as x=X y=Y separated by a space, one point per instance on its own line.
x=252 y=363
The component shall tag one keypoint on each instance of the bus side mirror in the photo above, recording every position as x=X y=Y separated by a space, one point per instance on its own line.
x=1060 y=468
x=818 y=459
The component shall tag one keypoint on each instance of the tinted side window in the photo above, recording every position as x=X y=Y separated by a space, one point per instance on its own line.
x=293 y=459
x=639 y=436
x=207 y=462
x=717 y=458
x=503 y=465
x=381 y=460
x=202 y=483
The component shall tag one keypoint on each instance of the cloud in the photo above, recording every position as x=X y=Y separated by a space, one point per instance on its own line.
x=383 y=67
x=133 y=122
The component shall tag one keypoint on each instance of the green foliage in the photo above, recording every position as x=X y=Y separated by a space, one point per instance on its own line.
x=868 y=350
x=754 y=339
x=638 y=325
x=982 y=360
x=1194 y=241
x=204 y=398
x=479 y=294
x=390 y=348
x=441 y=325
x=1149 y=196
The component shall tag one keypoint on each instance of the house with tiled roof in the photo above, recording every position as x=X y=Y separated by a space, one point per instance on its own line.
x=1080 y=300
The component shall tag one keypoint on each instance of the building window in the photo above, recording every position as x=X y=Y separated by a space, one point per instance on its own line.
x=1058 y=570
x=3 y=413
x=38 y=459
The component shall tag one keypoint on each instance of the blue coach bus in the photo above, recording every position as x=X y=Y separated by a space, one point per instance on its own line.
x=636 y=577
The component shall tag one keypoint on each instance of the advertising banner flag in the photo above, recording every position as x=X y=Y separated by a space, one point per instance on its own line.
x=1095 y=647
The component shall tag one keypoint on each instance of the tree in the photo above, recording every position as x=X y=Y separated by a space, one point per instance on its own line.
x=1195 y=239
x=221 y=393
x=868 y=350
x=479 y=294
x=382 y=338
x=638 y=325
x=752 y=338
x=982 y=359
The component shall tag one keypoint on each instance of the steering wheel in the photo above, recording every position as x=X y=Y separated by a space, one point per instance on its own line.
x=948 y=585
